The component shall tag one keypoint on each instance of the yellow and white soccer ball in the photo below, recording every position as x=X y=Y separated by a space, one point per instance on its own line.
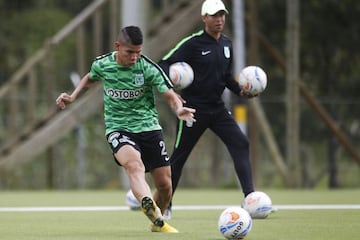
x=181 y=75
x=258 y=204
x=234 y=223
x=252 y=80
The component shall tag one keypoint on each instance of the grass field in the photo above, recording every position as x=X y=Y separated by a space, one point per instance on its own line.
x=340 y=221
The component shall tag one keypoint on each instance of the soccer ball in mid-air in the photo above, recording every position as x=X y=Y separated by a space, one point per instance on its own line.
x=181 y=75
x=258 y=204
x=131 y=201
x=234 y=223
x=252 y=80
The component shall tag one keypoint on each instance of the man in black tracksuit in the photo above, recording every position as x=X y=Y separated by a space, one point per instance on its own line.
x=209 y=53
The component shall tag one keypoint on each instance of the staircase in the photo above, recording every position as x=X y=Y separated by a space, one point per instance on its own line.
x=30 y=120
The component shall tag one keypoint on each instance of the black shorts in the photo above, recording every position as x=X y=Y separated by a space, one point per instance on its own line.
x=150 y=144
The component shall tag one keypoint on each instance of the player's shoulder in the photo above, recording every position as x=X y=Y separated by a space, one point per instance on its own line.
x=196 y=35
x=146 y=61
x=147 y=64
x=190 y=39
x=104 y=57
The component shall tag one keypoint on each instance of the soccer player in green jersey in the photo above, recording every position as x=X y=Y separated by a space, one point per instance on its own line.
x=131 y=119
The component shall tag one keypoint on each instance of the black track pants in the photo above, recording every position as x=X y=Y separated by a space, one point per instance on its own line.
x=224 y=126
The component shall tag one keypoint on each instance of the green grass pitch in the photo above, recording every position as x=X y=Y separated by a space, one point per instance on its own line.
x=284 y=224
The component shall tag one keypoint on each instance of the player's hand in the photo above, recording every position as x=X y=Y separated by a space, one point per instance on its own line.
x=64 y=99
x=186 y=114
x=247 y=95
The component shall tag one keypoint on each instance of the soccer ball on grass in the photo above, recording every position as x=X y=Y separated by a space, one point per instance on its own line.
x=234 y=223
x=258 y=204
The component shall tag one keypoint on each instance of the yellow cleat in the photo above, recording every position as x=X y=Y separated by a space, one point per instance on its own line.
x=152 y=211
x=166 y=228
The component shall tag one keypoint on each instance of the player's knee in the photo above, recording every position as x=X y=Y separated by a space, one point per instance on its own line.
x=164 y=185
x=134 y=167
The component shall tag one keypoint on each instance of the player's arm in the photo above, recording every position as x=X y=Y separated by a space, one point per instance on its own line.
x=65 y=99
x=176 y=104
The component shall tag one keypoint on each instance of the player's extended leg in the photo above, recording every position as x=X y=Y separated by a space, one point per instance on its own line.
x=130 y=159
x=238 y=146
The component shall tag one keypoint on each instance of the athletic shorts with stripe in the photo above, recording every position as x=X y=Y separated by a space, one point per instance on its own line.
x=150 y=144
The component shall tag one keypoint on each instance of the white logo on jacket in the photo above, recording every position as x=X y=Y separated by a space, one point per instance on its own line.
x=204 y=53
x=227 y=52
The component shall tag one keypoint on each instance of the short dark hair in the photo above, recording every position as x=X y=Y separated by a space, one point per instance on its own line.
x=131 y=35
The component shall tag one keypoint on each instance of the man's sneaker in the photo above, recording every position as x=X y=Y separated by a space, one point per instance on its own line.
x=152 y=211
x=167 y=214
x=165 y=228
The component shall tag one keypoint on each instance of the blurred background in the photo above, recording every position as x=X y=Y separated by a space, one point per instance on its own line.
x=304 y=129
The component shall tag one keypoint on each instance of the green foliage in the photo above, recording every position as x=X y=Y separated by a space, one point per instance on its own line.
x=329 y=36
x=329 y=54
x=24 y=33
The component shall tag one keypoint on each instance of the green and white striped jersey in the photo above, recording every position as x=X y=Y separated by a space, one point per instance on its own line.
x=129 y=101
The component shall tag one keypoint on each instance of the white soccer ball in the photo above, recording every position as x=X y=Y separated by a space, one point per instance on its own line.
x=258 y=204
x=131 y=201
x=234 y=223
x=252 y=80
x=181 y=75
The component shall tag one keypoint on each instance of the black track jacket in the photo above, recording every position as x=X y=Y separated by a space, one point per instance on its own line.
x=212 y=62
